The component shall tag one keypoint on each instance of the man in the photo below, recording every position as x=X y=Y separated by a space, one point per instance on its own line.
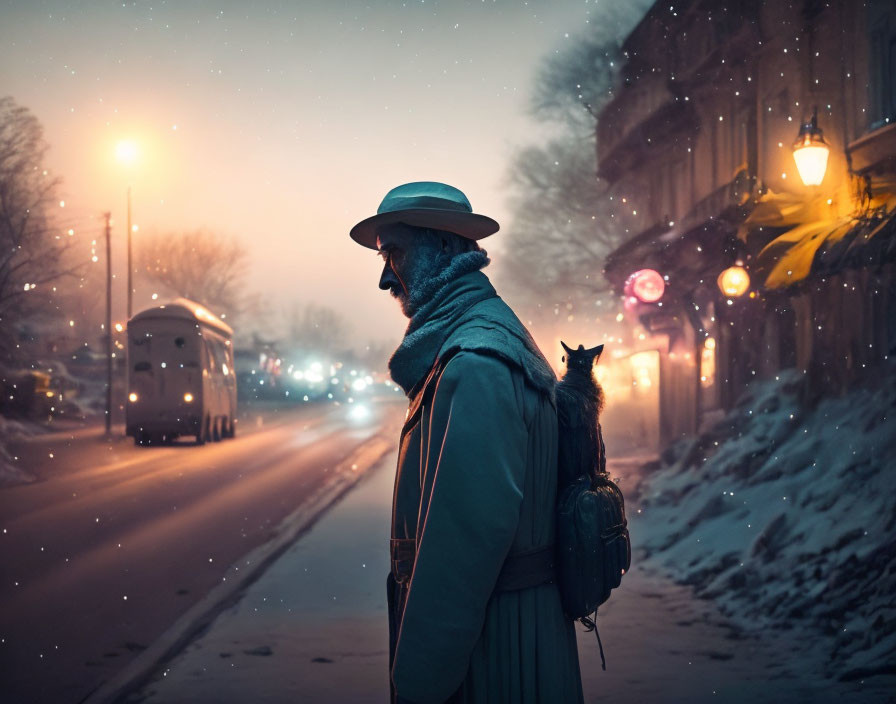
x=475 y=615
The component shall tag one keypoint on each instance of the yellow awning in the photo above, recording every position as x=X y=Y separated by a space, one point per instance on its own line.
x=788 y=258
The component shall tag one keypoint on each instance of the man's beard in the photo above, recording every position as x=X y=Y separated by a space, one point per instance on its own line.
x=397 y=293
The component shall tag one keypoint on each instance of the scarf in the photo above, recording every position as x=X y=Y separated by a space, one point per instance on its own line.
x=436 y=308
x=441 y=326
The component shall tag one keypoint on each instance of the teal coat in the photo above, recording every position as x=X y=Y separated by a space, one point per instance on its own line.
x=476 y=481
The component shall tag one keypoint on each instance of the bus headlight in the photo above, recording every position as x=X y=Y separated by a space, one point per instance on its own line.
x=132 y=397
x=188 y=397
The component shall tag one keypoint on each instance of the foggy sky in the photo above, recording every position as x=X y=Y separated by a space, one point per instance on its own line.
x=283 y=123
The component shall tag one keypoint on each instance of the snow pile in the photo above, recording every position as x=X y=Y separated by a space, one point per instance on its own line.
x=10 y=471
x=785 y=517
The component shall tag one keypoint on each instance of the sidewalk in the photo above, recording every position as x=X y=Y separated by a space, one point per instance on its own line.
x=313 y=629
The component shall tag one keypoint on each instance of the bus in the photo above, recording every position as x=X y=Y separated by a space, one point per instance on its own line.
x=181 y=378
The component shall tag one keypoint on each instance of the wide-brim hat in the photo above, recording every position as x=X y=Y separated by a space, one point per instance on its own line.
x=425 y=204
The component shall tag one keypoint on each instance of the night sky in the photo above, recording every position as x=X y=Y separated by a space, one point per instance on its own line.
x=282 y=123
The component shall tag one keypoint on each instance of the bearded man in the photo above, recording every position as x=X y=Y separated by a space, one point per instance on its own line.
x=474 y=612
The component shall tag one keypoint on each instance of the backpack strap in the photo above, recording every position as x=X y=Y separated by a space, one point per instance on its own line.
x=426 y=390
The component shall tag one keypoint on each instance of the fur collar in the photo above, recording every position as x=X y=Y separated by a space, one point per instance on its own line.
x=465 y=313
x=437 y=306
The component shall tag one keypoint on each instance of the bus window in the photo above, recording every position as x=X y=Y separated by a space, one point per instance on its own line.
x=210 y=353
x=224 y=357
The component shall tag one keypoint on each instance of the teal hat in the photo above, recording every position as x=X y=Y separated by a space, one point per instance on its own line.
x=425 y=204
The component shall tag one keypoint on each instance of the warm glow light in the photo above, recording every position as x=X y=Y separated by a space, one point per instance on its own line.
x=132 y=397
x=811 y=161
x=643 y=368
x=734 y=281
x=708 y=362
x=126 y=151
x=188 y=397
x=119 y=327
x=810 y=152
x=646 y=285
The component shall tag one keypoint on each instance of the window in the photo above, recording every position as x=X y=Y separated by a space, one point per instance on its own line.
x=882 y=63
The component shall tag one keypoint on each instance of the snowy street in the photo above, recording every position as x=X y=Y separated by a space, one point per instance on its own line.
x=114 y=542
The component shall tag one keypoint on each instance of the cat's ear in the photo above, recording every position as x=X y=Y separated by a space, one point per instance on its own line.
x=565 y=347
x=596 y=351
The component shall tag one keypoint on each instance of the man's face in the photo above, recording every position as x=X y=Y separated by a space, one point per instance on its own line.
x=409 y=260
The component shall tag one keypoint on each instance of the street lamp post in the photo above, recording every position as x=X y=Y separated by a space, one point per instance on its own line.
x=130 y=262
x=108 y=326
x=126 y=153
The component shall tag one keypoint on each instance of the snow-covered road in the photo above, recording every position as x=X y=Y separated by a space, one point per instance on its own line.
x=114 y=544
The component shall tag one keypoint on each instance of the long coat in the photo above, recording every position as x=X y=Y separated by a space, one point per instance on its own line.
x=477 y=481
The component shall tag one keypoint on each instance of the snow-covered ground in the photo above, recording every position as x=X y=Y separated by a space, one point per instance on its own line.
x=784 y=517
x=11 y=472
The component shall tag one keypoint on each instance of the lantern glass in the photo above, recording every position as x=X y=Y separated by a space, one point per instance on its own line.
x=811 y=161
x=734 y=281
x=810 y=152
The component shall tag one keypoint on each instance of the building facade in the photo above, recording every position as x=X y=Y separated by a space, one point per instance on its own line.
x=697 y=150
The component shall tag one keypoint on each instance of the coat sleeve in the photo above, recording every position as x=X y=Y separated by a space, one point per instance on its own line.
x=473 y=478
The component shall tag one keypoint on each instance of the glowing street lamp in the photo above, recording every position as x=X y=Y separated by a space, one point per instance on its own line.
x=734 y=281
x=126 y=152
x=810 y=152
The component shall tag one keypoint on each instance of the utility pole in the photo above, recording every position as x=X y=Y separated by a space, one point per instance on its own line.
x=130 y=263
x=108 y=217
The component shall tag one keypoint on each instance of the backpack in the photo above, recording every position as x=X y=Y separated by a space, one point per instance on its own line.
x=593 y=549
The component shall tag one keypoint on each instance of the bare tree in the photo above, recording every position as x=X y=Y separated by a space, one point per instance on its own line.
x=562 y=227
x=32 y=245
x=204 y=266
x=316 y=328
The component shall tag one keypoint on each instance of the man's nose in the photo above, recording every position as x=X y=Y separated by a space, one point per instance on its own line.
x=388 y=279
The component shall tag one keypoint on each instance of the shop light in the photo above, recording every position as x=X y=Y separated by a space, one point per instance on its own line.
x=810 y=152
x=646 y=285
x=734 y=281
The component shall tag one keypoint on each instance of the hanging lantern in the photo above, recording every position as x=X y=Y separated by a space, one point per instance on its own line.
x=734 y=281
x=810 y=152
x=646 y=285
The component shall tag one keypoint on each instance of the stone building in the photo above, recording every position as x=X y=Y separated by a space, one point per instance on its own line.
x=697 y=150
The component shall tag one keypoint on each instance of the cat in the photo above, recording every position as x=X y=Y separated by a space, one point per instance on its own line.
x=580 y=400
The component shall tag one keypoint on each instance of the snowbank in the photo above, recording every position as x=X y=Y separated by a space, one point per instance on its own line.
x=784 y=516
x=10 y=471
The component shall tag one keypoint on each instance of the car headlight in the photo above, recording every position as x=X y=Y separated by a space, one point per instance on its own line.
x=359 y=412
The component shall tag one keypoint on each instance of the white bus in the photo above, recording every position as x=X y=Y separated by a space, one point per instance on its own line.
x=181 y=378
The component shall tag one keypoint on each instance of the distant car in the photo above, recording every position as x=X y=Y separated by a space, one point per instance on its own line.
x=41 y=393
x=181 y=378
